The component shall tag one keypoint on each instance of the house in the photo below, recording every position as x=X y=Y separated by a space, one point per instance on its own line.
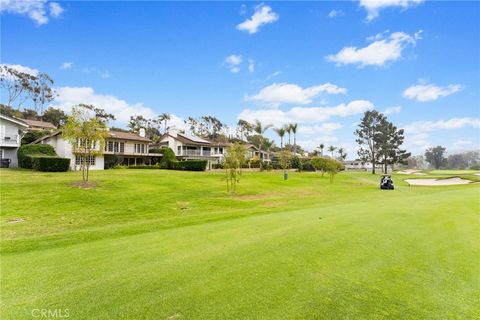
x=256 y=153
x=361 y=166
x=121 y=148
x=11 y=132
x=37 y=125
x=189 y=147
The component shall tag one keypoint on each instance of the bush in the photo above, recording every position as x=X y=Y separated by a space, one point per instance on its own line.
x=144 y=166
x=296 y=163
x=25 y=153
x=475 y=167
x=190 y=165
x=217 y=166
x=50 y=164
x=307 y=166
x=168 y=160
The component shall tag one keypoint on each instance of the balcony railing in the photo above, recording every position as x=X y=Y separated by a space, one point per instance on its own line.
x=10 y=140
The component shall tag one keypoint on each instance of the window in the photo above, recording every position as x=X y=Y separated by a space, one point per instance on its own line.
x=88 y=160
x=115 y=147
x=143 y=148
x=122 y=147
x=110 y=146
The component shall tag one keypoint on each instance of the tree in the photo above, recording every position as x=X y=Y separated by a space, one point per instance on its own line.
x=288 y=129
x=41 y=91
x=332 y=166
x=260 y=129
x=86 y=133
x=55 y=116
x=151 y=126
x=321 y=147
x=390 y=138
x=332 y=150
x=17 y=84
x=294 y=127
x=342 y=154
x=285 y=160
x=244 y=129
x=281 y=134
x=234 y=158
x=367 y=133
x=164 y=117
x=436 y=156
x=319 y=164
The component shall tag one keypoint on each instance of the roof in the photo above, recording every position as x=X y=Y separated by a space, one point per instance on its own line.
x=189 y=139
x=14 y=120
x=112 y=134
x=38 y=123
x=127 y=136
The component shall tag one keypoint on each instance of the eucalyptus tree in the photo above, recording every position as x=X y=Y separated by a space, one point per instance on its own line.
x=17 y=84
x=41 y=91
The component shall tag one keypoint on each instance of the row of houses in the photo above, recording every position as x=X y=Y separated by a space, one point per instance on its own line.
x=121 y=148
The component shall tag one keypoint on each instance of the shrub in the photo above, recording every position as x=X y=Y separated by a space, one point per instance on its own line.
x=296 y=163
x=168 y=160
x=190 y=165
x=217 y=166
x=475 y=167
x=307 y=166
x=49 y=163
x=144 y=166
x=25 y=153
x=266 y=165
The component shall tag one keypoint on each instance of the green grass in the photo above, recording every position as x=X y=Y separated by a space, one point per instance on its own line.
x=154 y=244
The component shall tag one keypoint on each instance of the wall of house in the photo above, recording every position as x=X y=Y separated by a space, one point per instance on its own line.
x=10 y=136
x=10 y=153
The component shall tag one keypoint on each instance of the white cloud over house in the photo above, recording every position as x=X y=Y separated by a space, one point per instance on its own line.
x=385 y=48
x=430 y=92
x=374 y=7
x=289 y=93
x=263 y=15
x=304 y=115
x=39 y=11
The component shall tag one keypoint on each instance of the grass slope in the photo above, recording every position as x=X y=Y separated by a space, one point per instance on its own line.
x=296 y=249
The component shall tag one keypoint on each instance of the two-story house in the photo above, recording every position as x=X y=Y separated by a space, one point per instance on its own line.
x=38 y=125
x=189 y=147
x=121 y=148
x=11 y=133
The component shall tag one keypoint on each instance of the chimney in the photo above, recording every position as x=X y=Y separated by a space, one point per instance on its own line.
x=141 y=132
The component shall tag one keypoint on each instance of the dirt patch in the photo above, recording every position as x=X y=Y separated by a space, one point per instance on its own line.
x=437 y=182
x=84 y=185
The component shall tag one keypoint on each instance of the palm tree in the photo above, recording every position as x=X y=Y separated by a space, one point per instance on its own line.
x=332 y=149
x=165 y=117
x=259 y=128
x=342 y=154
x=321 y=147
x=294 y=127
x=281 y=133
x=288 y=129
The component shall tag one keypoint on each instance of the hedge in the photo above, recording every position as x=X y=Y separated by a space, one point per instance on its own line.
x=190 y=165
x=144 y=166
x=49 y=163
x=25 y=153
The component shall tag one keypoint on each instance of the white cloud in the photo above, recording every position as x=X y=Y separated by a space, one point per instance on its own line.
x=454 y=123
x=102 y=73
x=70 y=96
x=373 y=7
x=392 y=110
x=66 y=65
x=279 y=117
x=21 y=68
x=312 y=144
x=335 y=13
x=324 y=128
x=38 y=10
x=430 y=92
x=263 y=15
x=279 y=93
x=463 y=142
x=251 y=66
x=381 y=51
x=233 y=62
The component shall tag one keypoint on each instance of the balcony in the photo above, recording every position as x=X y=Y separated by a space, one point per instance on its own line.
x=12 y=140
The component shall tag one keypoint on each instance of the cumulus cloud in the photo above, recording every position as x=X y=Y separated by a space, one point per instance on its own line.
x=430 y=92
x=335 y=13
x=233 y=61
x=39 y=11
x=70 y=96
x=66 y=65
x=324 y=128
x=263 y=15
x=373 y=7
x=251 y=66
x=305 y=114
x=392 y=110
x=384 y=49
x=280 y=93
x=453 y=123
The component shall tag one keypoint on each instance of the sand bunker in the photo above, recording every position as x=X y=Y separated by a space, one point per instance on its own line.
x=477 y=174
x=411 y=171
x=436 y=182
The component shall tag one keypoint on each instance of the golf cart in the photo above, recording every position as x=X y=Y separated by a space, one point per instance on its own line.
x=386 y=183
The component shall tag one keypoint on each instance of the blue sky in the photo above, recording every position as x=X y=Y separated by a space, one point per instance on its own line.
x=320 y=64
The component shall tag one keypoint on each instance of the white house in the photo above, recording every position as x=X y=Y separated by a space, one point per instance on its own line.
x=11 y=132
x=121 y=148
x=361 y=166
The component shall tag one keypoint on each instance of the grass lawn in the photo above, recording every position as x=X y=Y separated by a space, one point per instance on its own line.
x=154 y=244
